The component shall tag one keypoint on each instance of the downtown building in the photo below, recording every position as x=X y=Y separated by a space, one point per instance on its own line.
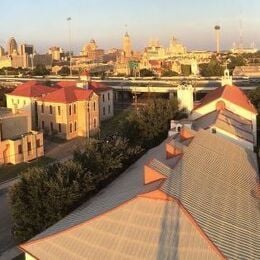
x=195 y=196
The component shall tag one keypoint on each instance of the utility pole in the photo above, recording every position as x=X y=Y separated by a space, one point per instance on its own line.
x=70 y=54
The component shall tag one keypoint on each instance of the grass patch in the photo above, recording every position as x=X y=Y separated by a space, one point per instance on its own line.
x=110 y=126
x=10 y=171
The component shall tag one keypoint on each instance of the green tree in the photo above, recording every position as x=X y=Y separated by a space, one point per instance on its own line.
x=185 y=70
x=211 y=69
x=64 y=71
x=236 y=61
x=44 y=196
x=40 y=70
x=107 y=158
x=148 y=126
x=169 y=73
x=146 y=73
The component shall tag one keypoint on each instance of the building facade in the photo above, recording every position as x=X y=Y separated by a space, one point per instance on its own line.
x=63 y=110
x=18 y=142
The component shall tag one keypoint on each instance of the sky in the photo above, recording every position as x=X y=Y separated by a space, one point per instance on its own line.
x=43 y=22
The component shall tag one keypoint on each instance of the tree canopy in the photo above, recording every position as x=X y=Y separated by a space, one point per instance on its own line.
x=40 y=70
x=148 y=126
x=64 y=71
x=146 y=73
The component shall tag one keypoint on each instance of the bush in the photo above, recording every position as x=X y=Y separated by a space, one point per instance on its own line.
x=45 y=195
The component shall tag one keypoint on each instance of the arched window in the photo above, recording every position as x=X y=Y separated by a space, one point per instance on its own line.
x=179 y=129
x=95 y=123
x=94 y=106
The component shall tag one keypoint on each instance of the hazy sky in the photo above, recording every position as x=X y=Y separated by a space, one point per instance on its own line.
x=43 y=22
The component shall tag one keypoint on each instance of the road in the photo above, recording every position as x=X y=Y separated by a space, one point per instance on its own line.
x=6 y=240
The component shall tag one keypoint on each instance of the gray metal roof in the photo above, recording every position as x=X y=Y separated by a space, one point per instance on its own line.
x=228 y=122
x=213 y=181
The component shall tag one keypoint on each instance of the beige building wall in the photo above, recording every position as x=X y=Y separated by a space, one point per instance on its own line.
x=28 y=147
x=80 y=118
x=29 y=257
x=5 y=61
x=24 y=103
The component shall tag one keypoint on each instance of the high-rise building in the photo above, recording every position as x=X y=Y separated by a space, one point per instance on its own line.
x=127 y=46
x=56 y=53
x=12 y=46
x=26 y=49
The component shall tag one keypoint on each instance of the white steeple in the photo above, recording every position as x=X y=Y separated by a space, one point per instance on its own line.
x=226 y=79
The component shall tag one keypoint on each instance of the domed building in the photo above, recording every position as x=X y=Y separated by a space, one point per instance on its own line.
x=12 y=46
x=91 y=46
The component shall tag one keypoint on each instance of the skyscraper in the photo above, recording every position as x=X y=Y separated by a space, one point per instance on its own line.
x=12 y=46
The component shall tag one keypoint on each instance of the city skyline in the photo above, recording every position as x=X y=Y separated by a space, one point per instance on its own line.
x=105 y=22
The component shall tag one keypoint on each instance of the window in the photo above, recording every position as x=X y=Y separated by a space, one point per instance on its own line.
x=29 y=146
x=51 y=126
x=42 y=124
x=74 y=109
x=50 y=109
x=24 y=102
x=95 y=123
x=109 y=109
x=104 y=111
x=213 y=130
x=60 y=128
x=178 y=129
x=108 y=96
x=18 y=101
x=20 y=149
x=103 y=97
x=75 y=126
x=59 y=112
x=38 y=143
x=12 y=101
x=94 y=106
x=70 y=128
x=42 y=108
x=70 y=110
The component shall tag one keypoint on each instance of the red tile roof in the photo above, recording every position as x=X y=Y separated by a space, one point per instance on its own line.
x=64 y=84
x=68 y=95
x=231 y=93
x=31 y=89
x=93 y=85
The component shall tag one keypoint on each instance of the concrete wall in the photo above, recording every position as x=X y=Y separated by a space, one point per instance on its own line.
x=25 y=103
x=13 y=126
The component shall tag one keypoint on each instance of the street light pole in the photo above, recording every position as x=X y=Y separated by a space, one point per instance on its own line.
x=70 y=54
